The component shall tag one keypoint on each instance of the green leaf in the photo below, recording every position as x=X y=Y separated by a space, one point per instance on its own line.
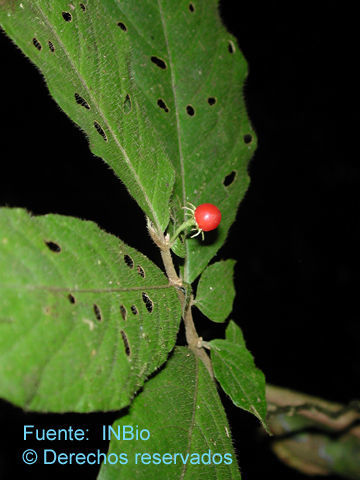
x=86 y=55
x=216 y=292
x=234 y=334
x=163 y=80
x=238 y=376
x=183 y=417
x=214 y=145
x=84 y=319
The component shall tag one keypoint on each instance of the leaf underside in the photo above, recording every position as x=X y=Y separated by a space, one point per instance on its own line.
x=86 y=59
x=184 y=417
x=157 y=88
x=84 y=319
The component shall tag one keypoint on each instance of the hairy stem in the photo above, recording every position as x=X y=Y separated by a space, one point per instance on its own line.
x=192 y=337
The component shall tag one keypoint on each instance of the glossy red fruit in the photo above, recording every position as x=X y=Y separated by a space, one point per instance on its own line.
x=207 y=216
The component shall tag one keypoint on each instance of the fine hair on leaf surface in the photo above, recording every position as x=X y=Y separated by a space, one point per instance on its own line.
x=156 y=87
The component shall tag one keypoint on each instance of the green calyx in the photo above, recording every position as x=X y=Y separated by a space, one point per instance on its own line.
x=184 y=226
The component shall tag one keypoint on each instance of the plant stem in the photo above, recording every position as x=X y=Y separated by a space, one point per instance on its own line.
x=192 y=337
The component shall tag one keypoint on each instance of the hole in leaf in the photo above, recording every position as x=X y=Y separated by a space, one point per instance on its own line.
x=82 y=6
x=54 y=247
x=81 y=101
x=97 y=312
x=134 y=310
x=141 y=271
x=51 y=46
x=190 y=110
x=100 y=131
x=129 y=261
x=127 y=104
x=126 y=342
x=148 y=302
x=37 y=44
x=159 y=62
x=122 y=26
x=67 y=16
x=123 y=312
x=191 y=7
x=231 y=47
x=228 y=180
x=162 y=105
x=211 y=101
x=71 y=298
x=248 y=138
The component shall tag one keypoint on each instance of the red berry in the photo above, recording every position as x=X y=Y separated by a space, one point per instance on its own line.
x=207 y=216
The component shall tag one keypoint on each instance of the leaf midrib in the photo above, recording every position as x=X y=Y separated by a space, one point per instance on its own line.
x=192 y=421
x=101 y=114
x=85 y=290
x=178 y=128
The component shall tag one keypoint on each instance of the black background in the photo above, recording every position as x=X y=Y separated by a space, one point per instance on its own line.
x=296 y=235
